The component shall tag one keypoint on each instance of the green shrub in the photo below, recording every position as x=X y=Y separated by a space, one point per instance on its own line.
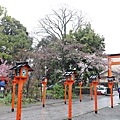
x=6 y=100
x=58 y=91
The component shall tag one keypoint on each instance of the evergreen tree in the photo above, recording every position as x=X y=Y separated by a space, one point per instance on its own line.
x=93 y=43
x=13 y=37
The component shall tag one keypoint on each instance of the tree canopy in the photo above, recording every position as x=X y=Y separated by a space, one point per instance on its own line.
x=92 y=41
x=13 y=36
x=66 y=41
x=81 y=48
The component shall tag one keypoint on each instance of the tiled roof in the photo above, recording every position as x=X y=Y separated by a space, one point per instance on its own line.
x=21 y=64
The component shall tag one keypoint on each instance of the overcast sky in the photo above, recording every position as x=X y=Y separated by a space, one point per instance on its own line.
x=104 y=15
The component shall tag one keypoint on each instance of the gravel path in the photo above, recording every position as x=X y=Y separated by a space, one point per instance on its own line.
x=57 y=110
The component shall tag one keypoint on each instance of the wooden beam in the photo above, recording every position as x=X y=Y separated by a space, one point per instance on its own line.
x=115 y=63
x=118 y=56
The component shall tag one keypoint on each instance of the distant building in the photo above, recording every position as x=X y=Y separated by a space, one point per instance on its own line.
x=104 y=80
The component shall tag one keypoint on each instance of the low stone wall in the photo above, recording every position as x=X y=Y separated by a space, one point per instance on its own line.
x=84 y=91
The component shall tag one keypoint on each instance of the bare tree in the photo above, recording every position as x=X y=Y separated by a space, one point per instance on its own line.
x=58 y=44
x=60 y=22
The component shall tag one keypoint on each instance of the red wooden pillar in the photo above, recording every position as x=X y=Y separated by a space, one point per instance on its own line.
x=21 y=75
x=109 y=67
x=110 y=85
x=80 y=84
x=19 y=104
x=70 y=100
x=44 y=82
x=91 y=92
x=21 y=79
x=13 y=94
x=95 y=83
x=70 y=78
x=65 y=85
x=43 y=94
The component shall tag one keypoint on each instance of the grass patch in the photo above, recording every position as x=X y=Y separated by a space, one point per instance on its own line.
x=82 y=87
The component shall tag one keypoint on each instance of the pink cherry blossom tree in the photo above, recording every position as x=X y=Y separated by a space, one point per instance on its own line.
x=4 y=68
x=4 y=72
